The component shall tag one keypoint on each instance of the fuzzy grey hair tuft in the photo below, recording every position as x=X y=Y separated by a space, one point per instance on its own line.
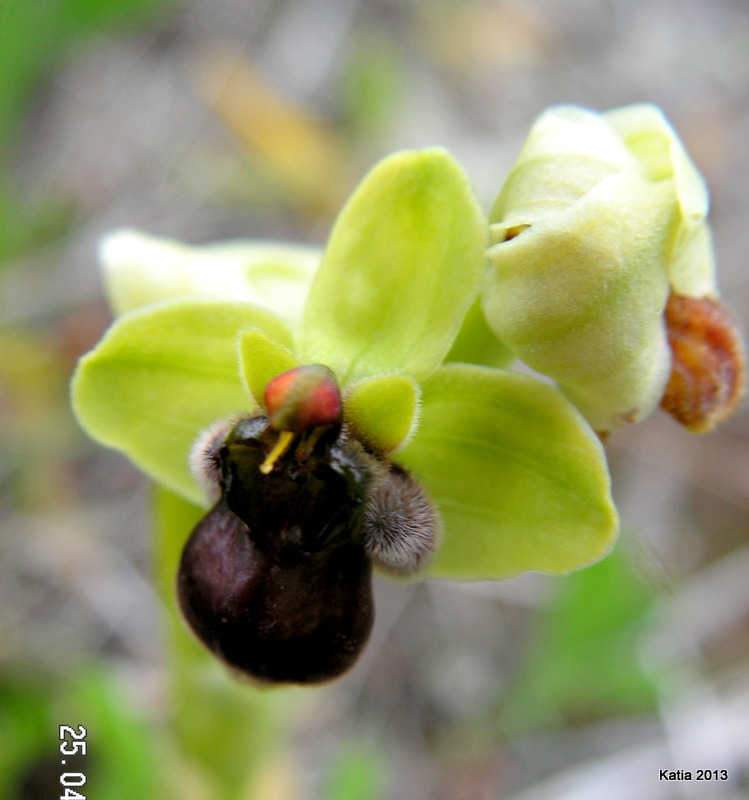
x=204 y=461
x=400 y=523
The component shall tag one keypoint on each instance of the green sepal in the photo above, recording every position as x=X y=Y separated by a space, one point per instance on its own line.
x=383 y=411
x=261 y=359
x=140 y=269
x=163 y=373
x=519 y=478
x=401 y=269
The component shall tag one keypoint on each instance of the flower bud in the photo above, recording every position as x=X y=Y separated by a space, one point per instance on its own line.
x=600 y=219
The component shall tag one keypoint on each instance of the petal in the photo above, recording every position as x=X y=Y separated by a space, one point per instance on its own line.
x=262 y=359
x=519 y=478
x=162 y=374
x=141 y=269
x=402 y=267
x=383 y=411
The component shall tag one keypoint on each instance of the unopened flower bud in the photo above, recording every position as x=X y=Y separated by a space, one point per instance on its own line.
x=601 y=218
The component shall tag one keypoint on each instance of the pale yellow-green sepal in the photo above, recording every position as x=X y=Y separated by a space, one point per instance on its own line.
x=139 y=269
x=161 y=375
x=401 y=269
x=518 y=477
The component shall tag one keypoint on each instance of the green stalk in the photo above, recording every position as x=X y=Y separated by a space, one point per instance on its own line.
x=224 y=734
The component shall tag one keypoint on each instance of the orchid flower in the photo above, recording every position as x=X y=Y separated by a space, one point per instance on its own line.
x=320 y=408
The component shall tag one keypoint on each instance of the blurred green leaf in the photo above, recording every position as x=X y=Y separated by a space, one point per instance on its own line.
x=23 y=226
x=356 y=775
x=584 y=663
x=24 y=729
x=93 y=15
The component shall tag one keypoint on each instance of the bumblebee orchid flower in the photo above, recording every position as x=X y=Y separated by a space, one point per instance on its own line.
x=314 y=406
x=603 y=272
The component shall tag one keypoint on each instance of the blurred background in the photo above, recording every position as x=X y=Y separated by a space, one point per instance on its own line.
x=215 y=119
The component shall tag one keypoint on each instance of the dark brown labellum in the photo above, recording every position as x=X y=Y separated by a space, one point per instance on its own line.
x=275 y=580
x=277 y=617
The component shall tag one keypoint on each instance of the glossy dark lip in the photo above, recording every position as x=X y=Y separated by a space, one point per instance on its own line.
x=280 y=616
x=319 y=490
x=275 y=580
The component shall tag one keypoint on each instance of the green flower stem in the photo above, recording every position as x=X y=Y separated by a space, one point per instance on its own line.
x=225 y=733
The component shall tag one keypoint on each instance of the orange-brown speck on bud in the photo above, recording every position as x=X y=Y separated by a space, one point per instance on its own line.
x=302 y=398
x=707 y=374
